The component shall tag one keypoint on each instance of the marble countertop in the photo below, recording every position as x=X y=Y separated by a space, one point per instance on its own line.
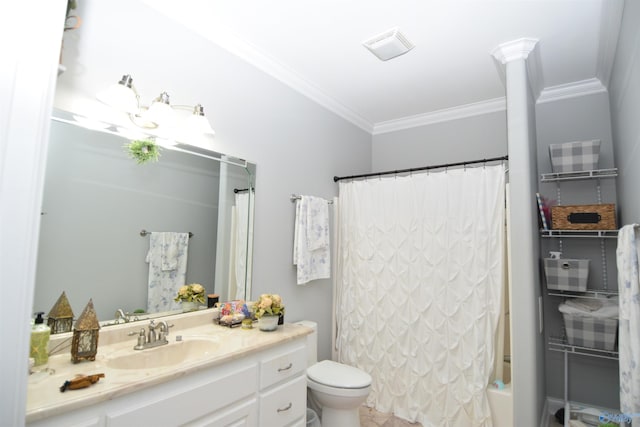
x=44 y=398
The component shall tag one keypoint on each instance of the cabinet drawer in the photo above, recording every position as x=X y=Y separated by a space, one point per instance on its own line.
x=161 y=407
x=285 y=403
x=302 y=422
x=240 y=415
x=282 y=366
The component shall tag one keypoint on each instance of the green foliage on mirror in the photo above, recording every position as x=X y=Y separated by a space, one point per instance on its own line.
x=143 y=150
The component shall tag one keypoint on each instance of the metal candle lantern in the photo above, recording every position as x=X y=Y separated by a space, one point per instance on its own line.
x=60 y=318
x=85 y=335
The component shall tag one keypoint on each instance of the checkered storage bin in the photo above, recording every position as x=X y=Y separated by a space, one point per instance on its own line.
x=566 y=274
x=590 y=332
x=575 y=156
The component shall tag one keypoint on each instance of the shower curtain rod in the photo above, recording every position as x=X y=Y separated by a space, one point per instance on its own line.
x=240 y=190
x=423 y=168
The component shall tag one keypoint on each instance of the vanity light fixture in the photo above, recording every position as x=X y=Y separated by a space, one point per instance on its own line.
x=161 y=114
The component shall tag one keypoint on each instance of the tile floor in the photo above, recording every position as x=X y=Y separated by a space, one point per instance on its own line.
x=369 y=417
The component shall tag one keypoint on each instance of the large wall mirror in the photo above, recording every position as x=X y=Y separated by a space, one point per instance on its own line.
x=97 y=201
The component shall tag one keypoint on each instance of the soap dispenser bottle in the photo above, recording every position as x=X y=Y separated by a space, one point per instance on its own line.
x=40 y=340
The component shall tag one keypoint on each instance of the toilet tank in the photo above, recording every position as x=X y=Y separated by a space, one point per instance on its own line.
x=312 y=341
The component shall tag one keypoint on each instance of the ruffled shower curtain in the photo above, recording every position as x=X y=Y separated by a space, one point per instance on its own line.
x=420 y=276
x=241 y=245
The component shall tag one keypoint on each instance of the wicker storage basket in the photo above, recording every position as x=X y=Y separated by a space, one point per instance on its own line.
x=566 y=274
x=584 y=217
x=591 y=332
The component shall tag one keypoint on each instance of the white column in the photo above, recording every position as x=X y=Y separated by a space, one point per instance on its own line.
x=32 y=33
x=517 y=62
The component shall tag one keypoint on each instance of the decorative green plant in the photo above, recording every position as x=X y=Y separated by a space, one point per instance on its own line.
x=143 y=150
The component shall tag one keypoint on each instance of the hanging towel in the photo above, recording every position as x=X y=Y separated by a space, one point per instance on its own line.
x=167 y=259
x=169 y=250
x=241 y=247
x=317 y=223
x=311 y=254
x=628 y=263
x=608 y=309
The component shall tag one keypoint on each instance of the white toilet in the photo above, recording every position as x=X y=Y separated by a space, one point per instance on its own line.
x=337 y=389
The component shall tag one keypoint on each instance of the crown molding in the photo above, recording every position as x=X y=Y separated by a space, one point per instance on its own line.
x=254 y=56
x=571 y=90
x=513 y=50
x=287 y=76
x=520 y=49
x=454 y=113
x=611 y=20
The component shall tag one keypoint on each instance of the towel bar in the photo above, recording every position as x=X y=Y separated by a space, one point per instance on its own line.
x=295 y=197
x=145 y=233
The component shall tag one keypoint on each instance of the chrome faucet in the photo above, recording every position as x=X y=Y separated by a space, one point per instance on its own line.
x=120 y=314
x=164 y=330
x=151 y=339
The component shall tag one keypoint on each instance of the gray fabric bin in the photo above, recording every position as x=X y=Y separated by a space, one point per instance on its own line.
x=590 y=332
x=566 y=274
x=575 y=156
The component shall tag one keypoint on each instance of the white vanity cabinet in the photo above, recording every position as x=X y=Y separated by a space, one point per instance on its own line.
x=258 y=388
x=283 y=386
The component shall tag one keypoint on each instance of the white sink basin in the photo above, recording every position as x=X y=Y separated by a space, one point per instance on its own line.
x=170 y=354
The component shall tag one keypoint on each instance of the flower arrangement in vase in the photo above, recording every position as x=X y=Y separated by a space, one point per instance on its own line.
x=268 y=309
x=190 y=296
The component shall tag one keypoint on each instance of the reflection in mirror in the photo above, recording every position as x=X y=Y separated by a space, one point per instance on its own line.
x=96 y=203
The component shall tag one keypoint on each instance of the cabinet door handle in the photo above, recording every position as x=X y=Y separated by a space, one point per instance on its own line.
x=286 y=368
x=286 y=408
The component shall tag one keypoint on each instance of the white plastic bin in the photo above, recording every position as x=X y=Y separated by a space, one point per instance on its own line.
x=591 y=332
x=566 y=274
x=312 y=418
x=575 y=156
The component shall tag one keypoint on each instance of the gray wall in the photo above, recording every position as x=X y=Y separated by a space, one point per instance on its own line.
x=591 y=381
x=469 y=138
x=97 y=199
x=624 y=90
x=298 y=146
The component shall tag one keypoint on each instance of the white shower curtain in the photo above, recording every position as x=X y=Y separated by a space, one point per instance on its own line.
x=628 y=262
x=241 y=245
x=420 y=271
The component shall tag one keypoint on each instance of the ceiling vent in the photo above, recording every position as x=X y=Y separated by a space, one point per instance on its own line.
x=389 y=44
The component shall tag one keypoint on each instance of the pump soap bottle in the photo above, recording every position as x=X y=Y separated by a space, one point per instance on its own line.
x=40 y=340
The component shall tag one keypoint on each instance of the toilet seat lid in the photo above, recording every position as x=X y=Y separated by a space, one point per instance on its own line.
x=337 y=375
